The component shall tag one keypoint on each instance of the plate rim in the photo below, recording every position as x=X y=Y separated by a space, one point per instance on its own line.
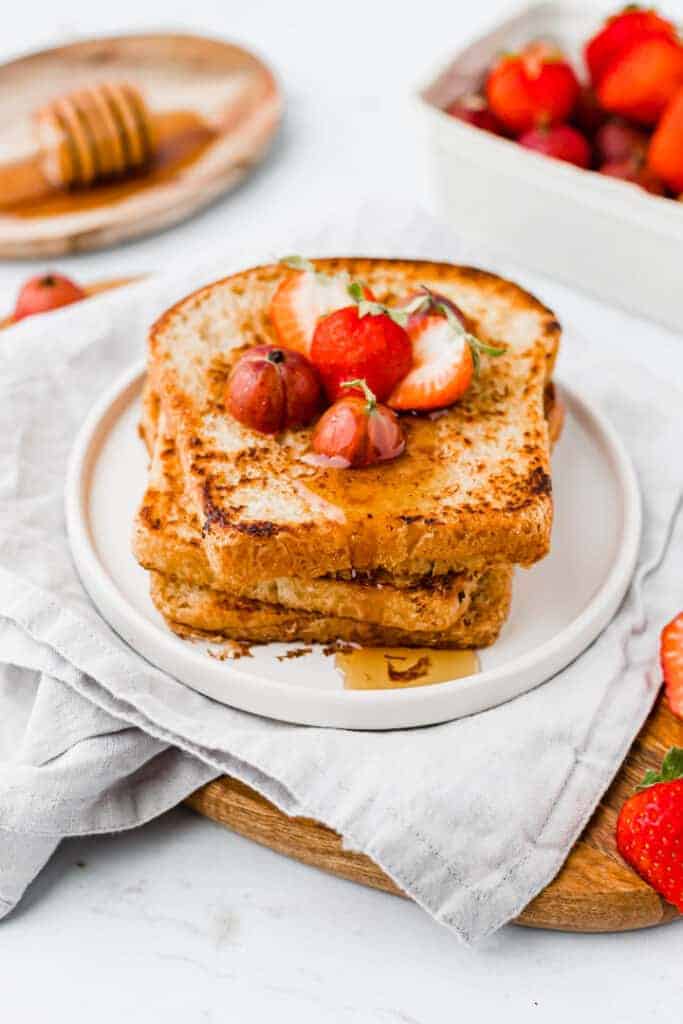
x=366 y=710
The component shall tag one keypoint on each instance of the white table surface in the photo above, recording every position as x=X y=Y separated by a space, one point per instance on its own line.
x=183 y=921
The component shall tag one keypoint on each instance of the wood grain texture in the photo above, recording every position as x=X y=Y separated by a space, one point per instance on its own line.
x=230 y=88
x=594 y=892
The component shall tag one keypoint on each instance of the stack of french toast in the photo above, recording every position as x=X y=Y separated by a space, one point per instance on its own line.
x=247 y=537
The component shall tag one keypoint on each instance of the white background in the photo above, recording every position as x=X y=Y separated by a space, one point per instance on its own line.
x=183 y=921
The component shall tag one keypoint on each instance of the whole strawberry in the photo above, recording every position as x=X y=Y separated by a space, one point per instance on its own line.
x=650 y=829
x=361 y=341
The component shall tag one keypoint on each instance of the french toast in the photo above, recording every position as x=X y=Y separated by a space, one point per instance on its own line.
x=472 y=489
x=167 y=539
x=209 y=612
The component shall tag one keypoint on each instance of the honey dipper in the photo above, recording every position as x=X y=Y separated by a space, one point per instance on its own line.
x=98 y=132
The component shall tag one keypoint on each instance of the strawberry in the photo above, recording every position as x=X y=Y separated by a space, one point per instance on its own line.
x=671 y=656
x=665 y=155
x=473 y=109
x=302 y=299
x=620 y=32
x=560 y=141
x=44 y=293
x=616 y=141
x=365 y=341
x=536 y=86
x=639 y=82
x=445 y=355
x=650 y=829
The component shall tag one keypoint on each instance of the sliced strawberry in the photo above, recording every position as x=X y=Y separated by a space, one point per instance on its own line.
x=301 y=300
x=442 y=366
x=671 y=655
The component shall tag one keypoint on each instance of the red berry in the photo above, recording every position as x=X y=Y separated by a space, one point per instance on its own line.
x=46 y=292
x=650 y=829
x=271 y=389
x=616 y=141
x=358 y=431
x=561 y=141
x=373 y=347
x=537 y=86
x=632 y=25
x=639 y=83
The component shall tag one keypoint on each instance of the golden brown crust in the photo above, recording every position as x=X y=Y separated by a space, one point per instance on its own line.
x=223 y=615
x=473 y=488
x=167 y=539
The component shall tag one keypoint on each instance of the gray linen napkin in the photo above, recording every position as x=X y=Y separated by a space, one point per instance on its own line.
x=471 y=818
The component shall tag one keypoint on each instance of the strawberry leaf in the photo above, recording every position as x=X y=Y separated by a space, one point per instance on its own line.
x=367 y=307
x=368 y=394
x=672 y=769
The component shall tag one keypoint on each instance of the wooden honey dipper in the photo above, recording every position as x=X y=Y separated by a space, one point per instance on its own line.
x=98 y=132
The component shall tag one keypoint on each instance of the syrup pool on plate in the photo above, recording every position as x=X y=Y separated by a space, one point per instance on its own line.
x=397 y=668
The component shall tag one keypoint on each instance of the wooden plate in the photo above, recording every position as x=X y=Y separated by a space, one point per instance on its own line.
x=594 y=892
x=182 y=76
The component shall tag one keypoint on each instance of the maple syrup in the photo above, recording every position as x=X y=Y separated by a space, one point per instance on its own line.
x=180 y=138
x=397 y=668
x=395 y=487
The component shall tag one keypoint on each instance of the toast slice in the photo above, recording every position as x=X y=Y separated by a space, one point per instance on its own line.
x=167 y=539
x=473 y=488
x=219 y=615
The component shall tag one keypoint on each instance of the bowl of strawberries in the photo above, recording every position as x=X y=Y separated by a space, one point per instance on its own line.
x=557 y=137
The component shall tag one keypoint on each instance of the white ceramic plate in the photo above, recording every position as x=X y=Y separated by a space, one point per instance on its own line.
x=558 y=607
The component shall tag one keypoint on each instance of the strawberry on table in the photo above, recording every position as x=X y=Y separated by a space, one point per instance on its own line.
x=445 y=355
x=639 y=83
x=44 y=293
x=302 y=299
x=650 y=829
x=536 y=86
x=621 y=31
x=665 y=155
x=671 y=656
x=364 y=340
x=560 y=141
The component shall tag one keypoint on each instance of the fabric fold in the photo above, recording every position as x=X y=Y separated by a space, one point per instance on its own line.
x=471 y=818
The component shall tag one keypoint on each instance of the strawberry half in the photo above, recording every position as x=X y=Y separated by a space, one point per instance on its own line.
x=671 y=656
x=442 y=367
x=302 y=299
x=445 y=355
x=650 y=829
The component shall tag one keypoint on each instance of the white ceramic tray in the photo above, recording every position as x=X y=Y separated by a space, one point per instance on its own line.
x=604 y=235
x=558 y=607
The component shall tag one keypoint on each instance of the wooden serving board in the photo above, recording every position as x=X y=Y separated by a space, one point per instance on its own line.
x=207 y=83
x=594 y=892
